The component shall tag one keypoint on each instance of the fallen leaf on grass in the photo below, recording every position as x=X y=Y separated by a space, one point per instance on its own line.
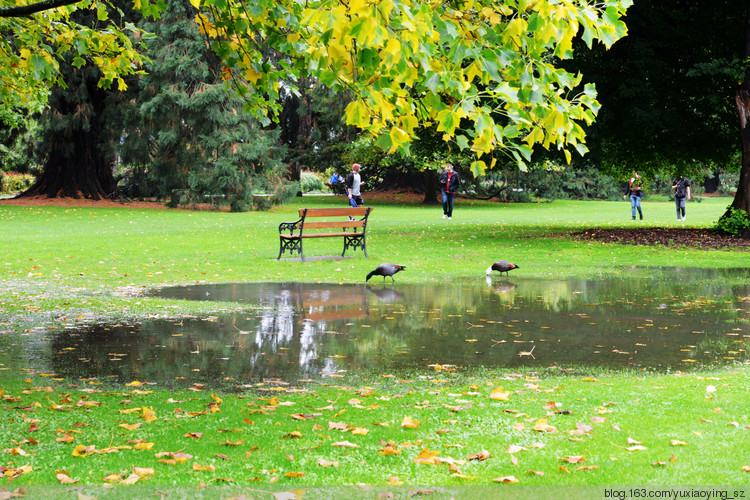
x=481 y=455
x=194 y=435
x=294 y=474
x=325 y=463
x=535 y=472
x=65 y=479
x=340 y=426
x=499 y=394
x=541 y=425
x=303 y=416
x=409 y=423
x=506 y=480
x=427 y=457
x=573 y=459
x=293 y=434
x=112 y=478
x=746 y=468
x=230 y=443
x=201 y=468
x=389 y=449
x=143 y=471
x=131 y=479
x=588 y=467
x=131 y=427
x=148 y=415
x=676 y=442
x=344 y=444
x=636 y=448
x=514 y=448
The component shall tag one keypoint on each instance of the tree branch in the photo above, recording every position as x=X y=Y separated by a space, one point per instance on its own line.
x=27 y=10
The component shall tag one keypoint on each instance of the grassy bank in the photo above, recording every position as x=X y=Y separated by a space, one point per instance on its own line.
x=65 y=266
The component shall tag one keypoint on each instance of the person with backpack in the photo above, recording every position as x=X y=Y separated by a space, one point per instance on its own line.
x=635 y=191
x=681 y=189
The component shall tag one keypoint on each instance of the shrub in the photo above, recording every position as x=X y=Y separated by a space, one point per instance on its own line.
x=734 y=222
x=13 y=182
x=310 y=182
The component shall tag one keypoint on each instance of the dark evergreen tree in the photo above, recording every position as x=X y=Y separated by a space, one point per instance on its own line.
x=72 y=131
x=185 y=131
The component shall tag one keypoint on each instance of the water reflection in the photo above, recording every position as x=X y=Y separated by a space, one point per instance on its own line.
x=659 y=319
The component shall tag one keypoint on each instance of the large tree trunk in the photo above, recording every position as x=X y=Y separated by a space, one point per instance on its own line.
x=76 y=166
x=431 y=188
x=742 y=98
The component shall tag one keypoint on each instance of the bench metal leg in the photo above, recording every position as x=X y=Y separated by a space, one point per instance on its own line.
x=293 y=245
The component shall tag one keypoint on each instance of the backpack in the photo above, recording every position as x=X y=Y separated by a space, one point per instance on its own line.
x=680 y=193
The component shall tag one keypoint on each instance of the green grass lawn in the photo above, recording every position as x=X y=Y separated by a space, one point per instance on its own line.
x=61 y=266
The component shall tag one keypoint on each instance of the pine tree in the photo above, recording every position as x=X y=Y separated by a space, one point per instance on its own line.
x=187 y=131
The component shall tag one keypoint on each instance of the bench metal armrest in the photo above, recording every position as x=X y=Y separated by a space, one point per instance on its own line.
x=291 y=226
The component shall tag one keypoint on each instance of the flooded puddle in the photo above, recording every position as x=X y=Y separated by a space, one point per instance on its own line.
x=657 y=319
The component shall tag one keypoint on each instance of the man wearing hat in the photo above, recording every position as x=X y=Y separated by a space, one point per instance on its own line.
x=353 y=183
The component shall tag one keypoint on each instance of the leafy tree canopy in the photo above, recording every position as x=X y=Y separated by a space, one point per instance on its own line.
x=36 y=34
x=485 y=73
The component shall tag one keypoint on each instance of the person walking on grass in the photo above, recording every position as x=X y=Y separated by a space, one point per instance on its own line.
x=449 y=182
x=635 y=191
x=353 y=184
x=681 y=189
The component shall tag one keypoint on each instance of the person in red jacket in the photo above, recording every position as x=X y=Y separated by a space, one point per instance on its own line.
x=449 y=182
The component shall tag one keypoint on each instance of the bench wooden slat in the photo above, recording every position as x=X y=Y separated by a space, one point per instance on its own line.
x=317 y=235
x=333 y=223
x=334 y=212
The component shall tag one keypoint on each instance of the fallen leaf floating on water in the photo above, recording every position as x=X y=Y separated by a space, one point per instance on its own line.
x=288 y=495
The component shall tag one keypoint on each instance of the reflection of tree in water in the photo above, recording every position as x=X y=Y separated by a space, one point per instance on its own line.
x=297 y=331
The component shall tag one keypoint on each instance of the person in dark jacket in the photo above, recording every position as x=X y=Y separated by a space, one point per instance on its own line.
x=449 y=182
x=681 y=190
x=635 y=192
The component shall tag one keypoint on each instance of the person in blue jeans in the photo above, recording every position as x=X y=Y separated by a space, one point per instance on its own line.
x=449 y=182
x=635 y=192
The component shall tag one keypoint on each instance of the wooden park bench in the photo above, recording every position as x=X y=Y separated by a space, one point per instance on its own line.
x=325 y=223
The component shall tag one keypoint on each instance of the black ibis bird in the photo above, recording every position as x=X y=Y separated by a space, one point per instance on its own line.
x=385 y=270
x=501 y=265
